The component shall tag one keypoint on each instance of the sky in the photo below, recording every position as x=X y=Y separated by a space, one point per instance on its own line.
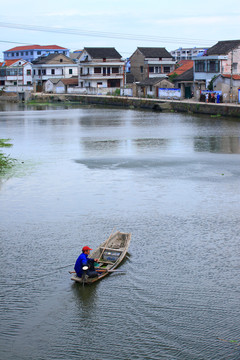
x=124 y=24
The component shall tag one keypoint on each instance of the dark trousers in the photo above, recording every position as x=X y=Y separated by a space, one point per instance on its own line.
x=91 y=269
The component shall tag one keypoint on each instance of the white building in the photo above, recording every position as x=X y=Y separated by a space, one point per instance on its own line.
x=53 y=66
x=101 y=70
x=16 y=76
x=187 y=53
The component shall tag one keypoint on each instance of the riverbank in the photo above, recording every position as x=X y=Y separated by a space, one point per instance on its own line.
x=189 y=106
x=143 y=103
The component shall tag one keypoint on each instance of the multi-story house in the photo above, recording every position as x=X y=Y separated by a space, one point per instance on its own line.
x=222 y=58
x=16 y=76
x=101 y=70
x=151 y=62
x=53 y=66
x=32 y=52
x=187 y=53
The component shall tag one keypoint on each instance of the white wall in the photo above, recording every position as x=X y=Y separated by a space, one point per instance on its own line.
x=166 y=93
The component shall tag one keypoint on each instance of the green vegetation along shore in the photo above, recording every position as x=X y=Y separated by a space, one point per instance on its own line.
x=5 y=161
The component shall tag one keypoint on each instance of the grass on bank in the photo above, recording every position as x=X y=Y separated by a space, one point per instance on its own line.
x=5 y=161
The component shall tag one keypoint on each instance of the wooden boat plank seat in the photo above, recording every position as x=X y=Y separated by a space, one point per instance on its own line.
x=113 y=249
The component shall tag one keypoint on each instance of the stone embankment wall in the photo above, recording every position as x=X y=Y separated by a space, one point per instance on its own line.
x=11 y=97
x=144 y=103
x=120 y=101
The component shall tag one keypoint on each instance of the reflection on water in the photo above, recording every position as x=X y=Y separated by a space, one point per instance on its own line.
x=85 y=296
x=224 y=144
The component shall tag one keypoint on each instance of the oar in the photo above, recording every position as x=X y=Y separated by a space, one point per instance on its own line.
x=102 y=270
x=106 y=270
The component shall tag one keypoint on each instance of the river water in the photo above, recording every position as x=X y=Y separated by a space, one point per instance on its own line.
x=173 y=181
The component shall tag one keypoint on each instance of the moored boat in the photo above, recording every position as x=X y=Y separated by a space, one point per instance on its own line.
x=109 y=254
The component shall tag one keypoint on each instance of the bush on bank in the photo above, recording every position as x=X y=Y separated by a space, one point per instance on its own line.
x=5 y=161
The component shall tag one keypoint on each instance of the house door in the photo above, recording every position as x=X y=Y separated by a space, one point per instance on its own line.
x=39 y=88
x=188 y=93
x=113 y=83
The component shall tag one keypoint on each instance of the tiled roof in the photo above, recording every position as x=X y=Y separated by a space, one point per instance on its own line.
x=37 y=47
x=11 y=62
x=55 y=80
x=235 y=77
x=103 y=53
x=186 y=76
x=183 y=66
x=45 y=59
x=70 y=81
x=151 y=81
x=151 y=52
x=223 y=47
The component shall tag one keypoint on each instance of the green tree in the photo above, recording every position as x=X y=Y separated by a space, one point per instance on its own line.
x=172 y=77
x=210 y=85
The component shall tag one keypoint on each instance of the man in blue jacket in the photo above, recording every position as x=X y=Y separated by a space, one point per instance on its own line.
x=84 y=260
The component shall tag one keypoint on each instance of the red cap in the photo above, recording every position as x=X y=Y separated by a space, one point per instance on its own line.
x=86 y=248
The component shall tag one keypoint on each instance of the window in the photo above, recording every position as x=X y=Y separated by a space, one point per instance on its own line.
x=39 y=52
x=151 y=69
x=104 y=59
x=156 y=69
x=31 y=52
x=39 y=72
x=22 y=53
x=200 y=66
x=61 y=60
x=9 y=54
x=166 y=69
x=141 y=69
x=150 y=87
x=34 y=72
x=12 y=54
x=43 y=71
x=234 y=65
x=53 y=71
x=29 y=83
x=70 y=71
x=213 y=66
x=17 y=53
x=29 y=72
x=26 y=53
x=97 y=70
x=115 y=70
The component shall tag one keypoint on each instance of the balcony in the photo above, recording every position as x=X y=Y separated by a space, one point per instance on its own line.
x=101 y=76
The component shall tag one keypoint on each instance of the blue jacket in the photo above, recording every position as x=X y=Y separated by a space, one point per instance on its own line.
x=81 y=261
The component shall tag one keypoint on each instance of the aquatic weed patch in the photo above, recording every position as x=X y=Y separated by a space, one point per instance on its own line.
x=6 y=162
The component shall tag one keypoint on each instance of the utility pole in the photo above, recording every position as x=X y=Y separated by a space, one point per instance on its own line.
x=231 y=79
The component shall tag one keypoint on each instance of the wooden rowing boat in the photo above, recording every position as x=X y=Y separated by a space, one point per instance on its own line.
x=109 y=254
